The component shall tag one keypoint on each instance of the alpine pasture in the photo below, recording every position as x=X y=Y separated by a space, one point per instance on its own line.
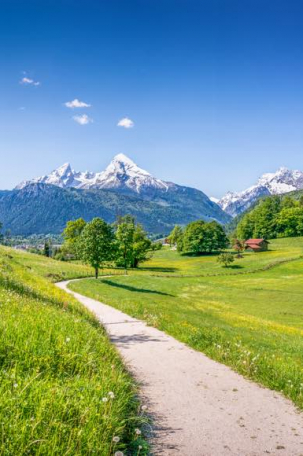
x=247 y=316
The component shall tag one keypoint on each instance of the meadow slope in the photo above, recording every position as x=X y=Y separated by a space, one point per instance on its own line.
x=248 y=316
x=63 y=387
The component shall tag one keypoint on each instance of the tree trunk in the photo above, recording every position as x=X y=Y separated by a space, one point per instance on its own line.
x=96 y=273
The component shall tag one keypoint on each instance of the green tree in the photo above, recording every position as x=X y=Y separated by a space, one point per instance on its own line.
x=176 y=236
x=1 y=234
x=96 y=244
x=226 y=259
x=261 y=222
x=134 y=247
x=71 y=235
x=239 y=246
x=125 y=236
x=47 y=249
x=290 y=222
x=142 y=247
x=201 y=237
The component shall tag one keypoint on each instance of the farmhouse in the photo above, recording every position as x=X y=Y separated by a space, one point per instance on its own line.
x=257 y=245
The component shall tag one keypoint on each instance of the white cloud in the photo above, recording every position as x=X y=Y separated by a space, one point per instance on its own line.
x=76 y=104
x=125 y=123
x=29 y=81
x=83 y=119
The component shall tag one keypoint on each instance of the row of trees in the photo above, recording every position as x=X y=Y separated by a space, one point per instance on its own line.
x=199 y=237
x=125 y=243
x=273 y=217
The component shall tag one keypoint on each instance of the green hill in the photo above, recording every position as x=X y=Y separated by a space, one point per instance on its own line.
x=56 y=365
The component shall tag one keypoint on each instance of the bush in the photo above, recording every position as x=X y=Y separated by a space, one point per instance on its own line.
x=226 y=259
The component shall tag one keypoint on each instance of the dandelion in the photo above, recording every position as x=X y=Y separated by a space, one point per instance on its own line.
x=137 y=431
x=116 y=439
x=15 y=385
x=119 y=453
x=104 y=399
x=111 y=395
x=144 y=408
x=67 y=339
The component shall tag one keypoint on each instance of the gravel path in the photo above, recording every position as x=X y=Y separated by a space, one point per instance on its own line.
x=199 y=407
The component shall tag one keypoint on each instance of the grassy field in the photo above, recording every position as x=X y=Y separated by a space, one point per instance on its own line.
x=249 y=317
x=63 y=387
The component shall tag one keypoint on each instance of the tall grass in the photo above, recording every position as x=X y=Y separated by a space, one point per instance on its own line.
x=63 y=387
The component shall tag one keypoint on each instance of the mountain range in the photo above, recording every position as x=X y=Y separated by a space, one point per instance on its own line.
x=44 y=204
x=121 y=174
x=282 y=181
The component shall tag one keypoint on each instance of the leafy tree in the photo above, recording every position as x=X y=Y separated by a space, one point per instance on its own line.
x=176 y=236
x=47 y=249
x=71 y=235
x=125 y=236
x=142 y=246
x=239 y=246
x=226 y=259
x=201 y=237
x=156 y=246
x=96 y=244
x=261 y=222
x=134 y=247
x=290 y=221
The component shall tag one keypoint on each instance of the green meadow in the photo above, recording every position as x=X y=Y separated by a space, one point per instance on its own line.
x=63 y=387
x=248 y=316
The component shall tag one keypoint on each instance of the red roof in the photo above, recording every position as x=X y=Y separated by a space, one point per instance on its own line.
x=256 y=241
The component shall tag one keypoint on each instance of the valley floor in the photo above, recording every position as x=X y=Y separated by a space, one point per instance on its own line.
x=199 y=407
x=249 y=316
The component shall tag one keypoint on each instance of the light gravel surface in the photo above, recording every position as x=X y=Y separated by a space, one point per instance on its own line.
x=199 y=407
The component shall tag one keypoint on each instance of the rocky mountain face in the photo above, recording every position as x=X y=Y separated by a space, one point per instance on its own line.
x=44 y=204
x=280 y=182
x=121 y=174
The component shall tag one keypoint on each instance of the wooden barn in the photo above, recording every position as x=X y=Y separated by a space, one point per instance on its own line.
x=257 y=245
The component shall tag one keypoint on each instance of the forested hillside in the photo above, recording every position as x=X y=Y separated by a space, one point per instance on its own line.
x=272 y=217
x=40 y=208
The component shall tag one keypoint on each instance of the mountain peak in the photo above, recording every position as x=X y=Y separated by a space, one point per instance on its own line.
x=64 y=169
x=121 y=173
x=282 y=181
x=123 y=159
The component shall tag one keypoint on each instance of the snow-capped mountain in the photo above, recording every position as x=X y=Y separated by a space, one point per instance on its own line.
x=282 y=181
x=123 y=176
x=121 y=173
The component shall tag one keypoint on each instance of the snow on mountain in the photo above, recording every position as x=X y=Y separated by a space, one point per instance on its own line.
x=214 y=199
x=282 y=181
x=122 y=172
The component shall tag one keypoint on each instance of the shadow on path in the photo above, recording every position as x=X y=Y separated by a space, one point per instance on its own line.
x=141 y=338
x=134 y=289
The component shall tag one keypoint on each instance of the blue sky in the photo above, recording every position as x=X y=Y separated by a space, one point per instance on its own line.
x=214 y=87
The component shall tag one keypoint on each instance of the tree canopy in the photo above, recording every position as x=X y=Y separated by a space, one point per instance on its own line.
x=175 y=237
x=133 y=243
x=204 y=237
x=273 y=217
x=72 y=233
x=96 y=244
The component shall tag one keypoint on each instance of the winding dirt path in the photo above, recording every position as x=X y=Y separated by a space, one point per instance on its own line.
x=199 y=407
